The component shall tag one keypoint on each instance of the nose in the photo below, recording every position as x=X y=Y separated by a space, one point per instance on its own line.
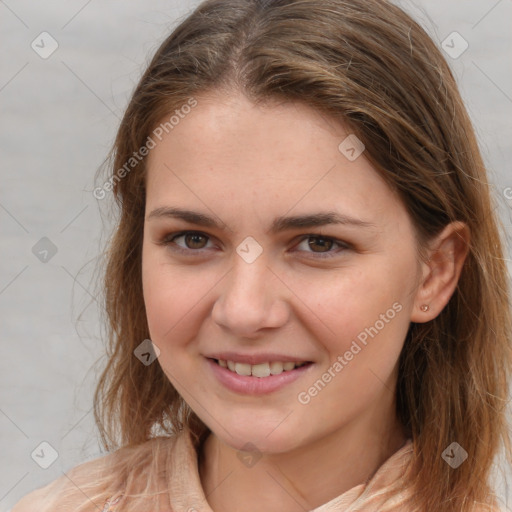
x=252 y=298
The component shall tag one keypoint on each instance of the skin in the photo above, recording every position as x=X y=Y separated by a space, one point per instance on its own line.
x=245 y=165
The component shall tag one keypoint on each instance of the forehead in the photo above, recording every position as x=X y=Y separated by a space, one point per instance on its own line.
x=229 y=151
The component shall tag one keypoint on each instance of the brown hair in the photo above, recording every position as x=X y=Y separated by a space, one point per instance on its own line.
x=368 y=64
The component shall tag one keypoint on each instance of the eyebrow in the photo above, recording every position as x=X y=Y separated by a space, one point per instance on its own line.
x=278 y=225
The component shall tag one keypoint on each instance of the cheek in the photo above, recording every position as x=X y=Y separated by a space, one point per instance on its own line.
x=172 y=301
x=169 y=294
x=367 y=316
x=354 y=303
x=177 y=301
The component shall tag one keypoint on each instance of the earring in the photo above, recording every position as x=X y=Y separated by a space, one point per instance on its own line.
x=424 y=307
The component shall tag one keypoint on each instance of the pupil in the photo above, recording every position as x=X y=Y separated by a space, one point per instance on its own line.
x=326 y=244
x=193 y=238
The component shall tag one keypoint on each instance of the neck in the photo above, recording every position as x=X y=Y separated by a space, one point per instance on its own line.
x=305 y=478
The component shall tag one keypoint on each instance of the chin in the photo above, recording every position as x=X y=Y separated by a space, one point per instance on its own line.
x=257 y=436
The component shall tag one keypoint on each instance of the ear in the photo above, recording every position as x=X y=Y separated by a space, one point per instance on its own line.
x=440 y=274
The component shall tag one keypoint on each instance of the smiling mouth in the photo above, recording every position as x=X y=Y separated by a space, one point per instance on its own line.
x=260 y=370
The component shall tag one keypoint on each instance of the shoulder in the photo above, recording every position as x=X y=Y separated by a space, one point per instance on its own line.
x=88 y=486
x=62 y=493
x=30 y=501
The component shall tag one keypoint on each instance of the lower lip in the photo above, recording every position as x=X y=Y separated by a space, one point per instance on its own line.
x=249 y=385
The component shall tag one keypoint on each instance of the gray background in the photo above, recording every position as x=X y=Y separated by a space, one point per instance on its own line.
x=58 y=120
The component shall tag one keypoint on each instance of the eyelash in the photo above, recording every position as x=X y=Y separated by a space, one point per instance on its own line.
x=169 y=240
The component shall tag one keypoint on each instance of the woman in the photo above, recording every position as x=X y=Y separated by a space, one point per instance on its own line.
x=366 y=369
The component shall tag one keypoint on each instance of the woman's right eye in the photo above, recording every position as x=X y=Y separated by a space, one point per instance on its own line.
x=193 y=241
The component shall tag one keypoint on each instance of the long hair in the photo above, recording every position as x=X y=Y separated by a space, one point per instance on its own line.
x=367 y=64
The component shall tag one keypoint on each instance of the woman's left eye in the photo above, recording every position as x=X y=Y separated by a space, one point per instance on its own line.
x=325 y=244
x=195 y=241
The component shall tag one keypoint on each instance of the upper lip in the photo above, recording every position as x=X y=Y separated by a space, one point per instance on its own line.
x=256 y=358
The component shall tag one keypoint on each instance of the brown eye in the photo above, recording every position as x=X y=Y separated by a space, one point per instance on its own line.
x=325 y=244
x=322 y=246
x=195 y=240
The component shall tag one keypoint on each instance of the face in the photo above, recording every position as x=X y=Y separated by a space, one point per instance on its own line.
x=294 y=253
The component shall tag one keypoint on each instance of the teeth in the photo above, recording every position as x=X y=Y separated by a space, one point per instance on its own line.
x=276 y=368
x=259 y=370
x=243 y=368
